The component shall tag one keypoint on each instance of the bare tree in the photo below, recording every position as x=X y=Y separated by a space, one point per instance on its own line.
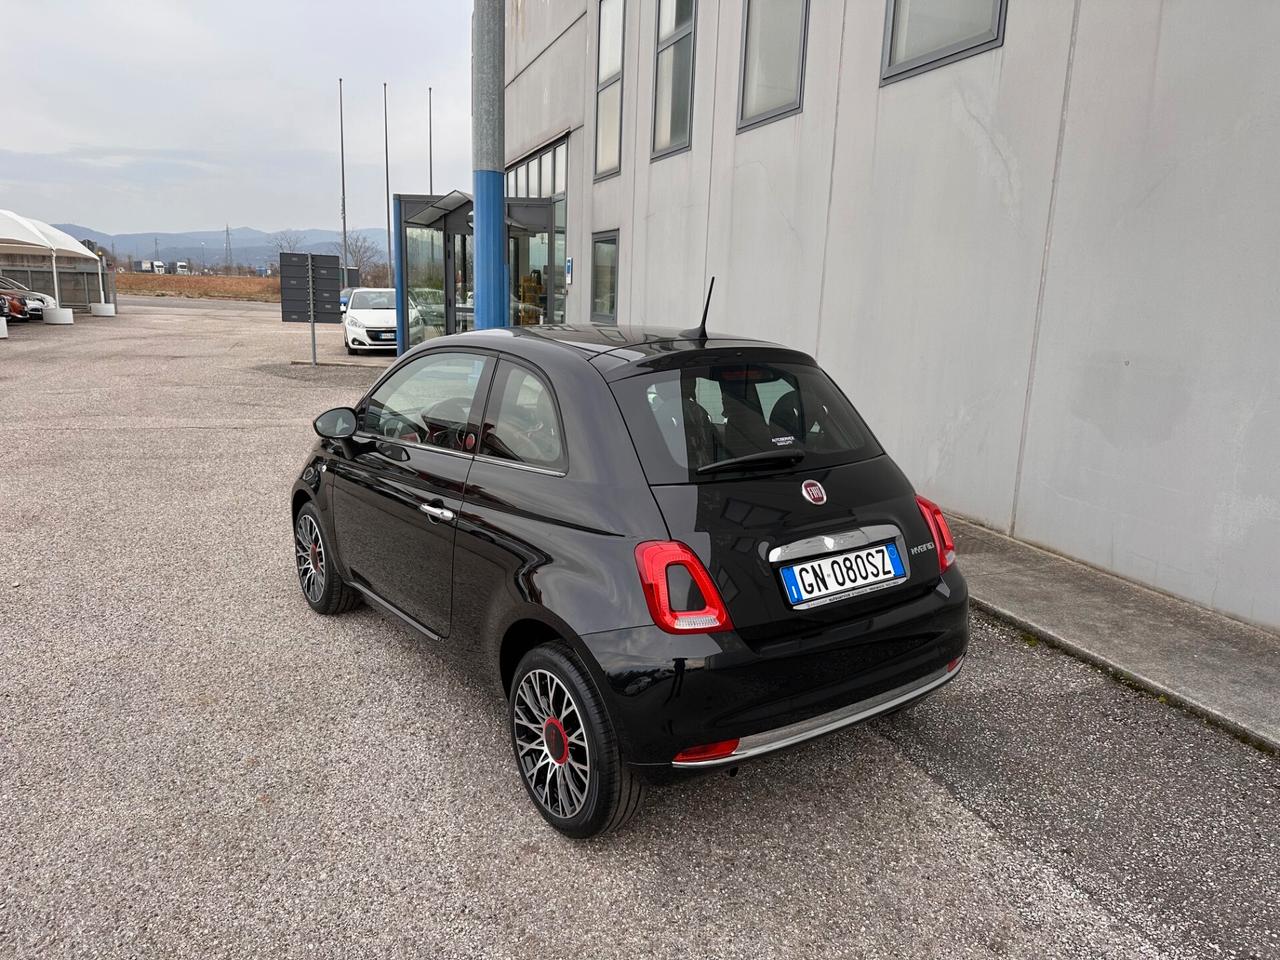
x=363 y=254
x=286 y=241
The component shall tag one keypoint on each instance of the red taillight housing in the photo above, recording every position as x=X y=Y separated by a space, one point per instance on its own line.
x=654 y=559
x=942 y=540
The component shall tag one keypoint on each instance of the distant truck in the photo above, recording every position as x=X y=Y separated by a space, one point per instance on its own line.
x=179 y=267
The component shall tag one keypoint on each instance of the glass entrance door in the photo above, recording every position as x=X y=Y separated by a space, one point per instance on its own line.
x=425 y=282
x=533 y=262
x=462 y=293
x=438 y=264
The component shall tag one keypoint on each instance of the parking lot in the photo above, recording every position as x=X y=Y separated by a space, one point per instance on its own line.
x=192 y=763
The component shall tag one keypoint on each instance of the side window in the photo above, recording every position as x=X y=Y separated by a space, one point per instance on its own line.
x=521 y=422
x=427 y=401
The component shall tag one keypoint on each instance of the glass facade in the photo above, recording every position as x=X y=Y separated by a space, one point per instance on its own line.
x=537 y=204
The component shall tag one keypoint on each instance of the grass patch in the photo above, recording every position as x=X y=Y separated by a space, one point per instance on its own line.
x=261 y=289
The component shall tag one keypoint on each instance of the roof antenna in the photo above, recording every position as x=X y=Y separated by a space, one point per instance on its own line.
x=701 y=332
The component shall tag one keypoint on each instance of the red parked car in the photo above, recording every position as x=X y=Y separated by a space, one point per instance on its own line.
x=17 y=305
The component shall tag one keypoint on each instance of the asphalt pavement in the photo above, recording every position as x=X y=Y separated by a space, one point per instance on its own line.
x=192 y=763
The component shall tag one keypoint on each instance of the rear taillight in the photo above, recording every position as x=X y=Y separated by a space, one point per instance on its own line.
x=655 y=559
x=937 y=523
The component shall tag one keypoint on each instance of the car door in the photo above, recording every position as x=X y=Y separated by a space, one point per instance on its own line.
x=397 y=497
x=518 y=503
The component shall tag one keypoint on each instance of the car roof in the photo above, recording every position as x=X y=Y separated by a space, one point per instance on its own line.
x=610 y=349
x=594 y=339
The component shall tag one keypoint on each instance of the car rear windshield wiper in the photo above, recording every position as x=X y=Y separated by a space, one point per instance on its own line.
x=765 y=458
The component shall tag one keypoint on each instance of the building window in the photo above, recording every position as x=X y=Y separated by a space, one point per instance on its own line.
x=562 y=167
x=609 y=89
x=922 y=34
x=773 y=47
x=604 y=277
x=673 y=76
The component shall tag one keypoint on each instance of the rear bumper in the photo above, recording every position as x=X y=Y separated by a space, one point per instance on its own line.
x=667 y=693
x=782 y=737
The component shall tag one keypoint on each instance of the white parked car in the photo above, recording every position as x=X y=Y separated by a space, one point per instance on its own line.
x=37 y=303
x=369 y=319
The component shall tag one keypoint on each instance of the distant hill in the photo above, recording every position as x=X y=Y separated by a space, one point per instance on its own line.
x=248 y=246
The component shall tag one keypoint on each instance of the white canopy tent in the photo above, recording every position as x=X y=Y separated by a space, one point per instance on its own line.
x=23 y=235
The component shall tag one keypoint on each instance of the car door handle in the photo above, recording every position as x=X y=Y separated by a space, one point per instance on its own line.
x=437 y=513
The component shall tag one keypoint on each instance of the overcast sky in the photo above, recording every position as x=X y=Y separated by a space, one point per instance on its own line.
x=168 y=115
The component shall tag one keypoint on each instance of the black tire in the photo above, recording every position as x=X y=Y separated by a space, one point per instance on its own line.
x=351 y=351
x=325 y=592
x=612 y=792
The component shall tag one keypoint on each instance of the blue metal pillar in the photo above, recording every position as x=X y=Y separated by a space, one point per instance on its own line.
x=487 y=150
x=397 y=257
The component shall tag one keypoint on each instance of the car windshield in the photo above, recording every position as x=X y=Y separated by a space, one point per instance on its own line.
x=727 y=418
x=372 y=300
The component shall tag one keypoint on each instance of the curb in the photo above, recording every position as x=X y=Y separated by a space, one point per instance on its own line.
x=336 y=363
x=1134 y=678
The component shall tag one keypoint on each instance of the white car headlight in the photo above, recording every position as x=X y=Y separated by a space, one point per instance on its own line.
x=355 y=322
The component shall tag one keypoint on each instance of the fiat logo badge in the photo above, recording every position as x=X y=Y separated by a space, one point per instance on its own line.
x=813 y=492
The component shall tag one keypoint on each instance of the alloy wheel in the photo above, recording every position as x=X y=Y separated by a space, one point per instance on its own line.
x=551 y=743
x=310 y=553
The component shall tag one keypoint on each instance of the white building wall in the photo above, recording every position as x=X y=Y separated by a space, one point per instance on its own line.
x=1055 y=302
x=1153 y=445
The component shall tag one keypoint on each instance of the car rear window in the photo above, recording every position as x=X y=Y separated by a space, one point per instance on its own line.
x=372 y=300
x=687 y=422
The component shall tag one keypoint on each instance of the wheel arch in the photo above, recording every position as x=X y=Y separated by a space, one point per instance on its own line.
x=532 y=627
x=518 y=639
x=300 y=498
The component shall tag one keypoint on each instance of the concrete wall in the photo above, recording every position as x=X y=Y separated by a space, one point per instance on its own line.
x=1046 y=273
x=77 y=279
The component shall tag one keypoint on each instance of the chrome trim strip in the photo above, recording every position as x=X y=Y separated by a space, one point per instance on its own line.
x=547 y=471
x=361 y=434
x=836 y=542
x=794 y=733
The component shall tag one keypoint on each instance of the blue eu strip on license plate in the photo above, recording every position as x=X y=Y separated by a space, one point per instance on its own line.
x=841 y=575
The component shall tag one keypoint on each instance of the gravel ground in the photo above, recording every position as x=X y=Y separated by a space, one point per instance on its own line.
x=192 y=763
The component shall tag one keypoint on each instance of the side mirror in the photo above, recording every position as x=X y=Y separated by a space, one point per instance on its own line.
x=336 y=424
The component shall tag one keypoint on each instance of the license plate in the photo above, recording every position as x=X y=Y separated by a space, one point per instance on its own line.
x=841 y=575
x=390 y=335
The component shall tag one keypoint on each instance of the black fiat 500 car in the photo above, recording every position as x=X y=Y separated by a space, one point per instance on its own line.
x=670 y=552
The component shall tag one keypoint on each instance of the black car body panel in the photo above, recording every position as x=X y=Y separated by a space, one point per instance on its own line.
x=533 y=553
x=670 y=693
